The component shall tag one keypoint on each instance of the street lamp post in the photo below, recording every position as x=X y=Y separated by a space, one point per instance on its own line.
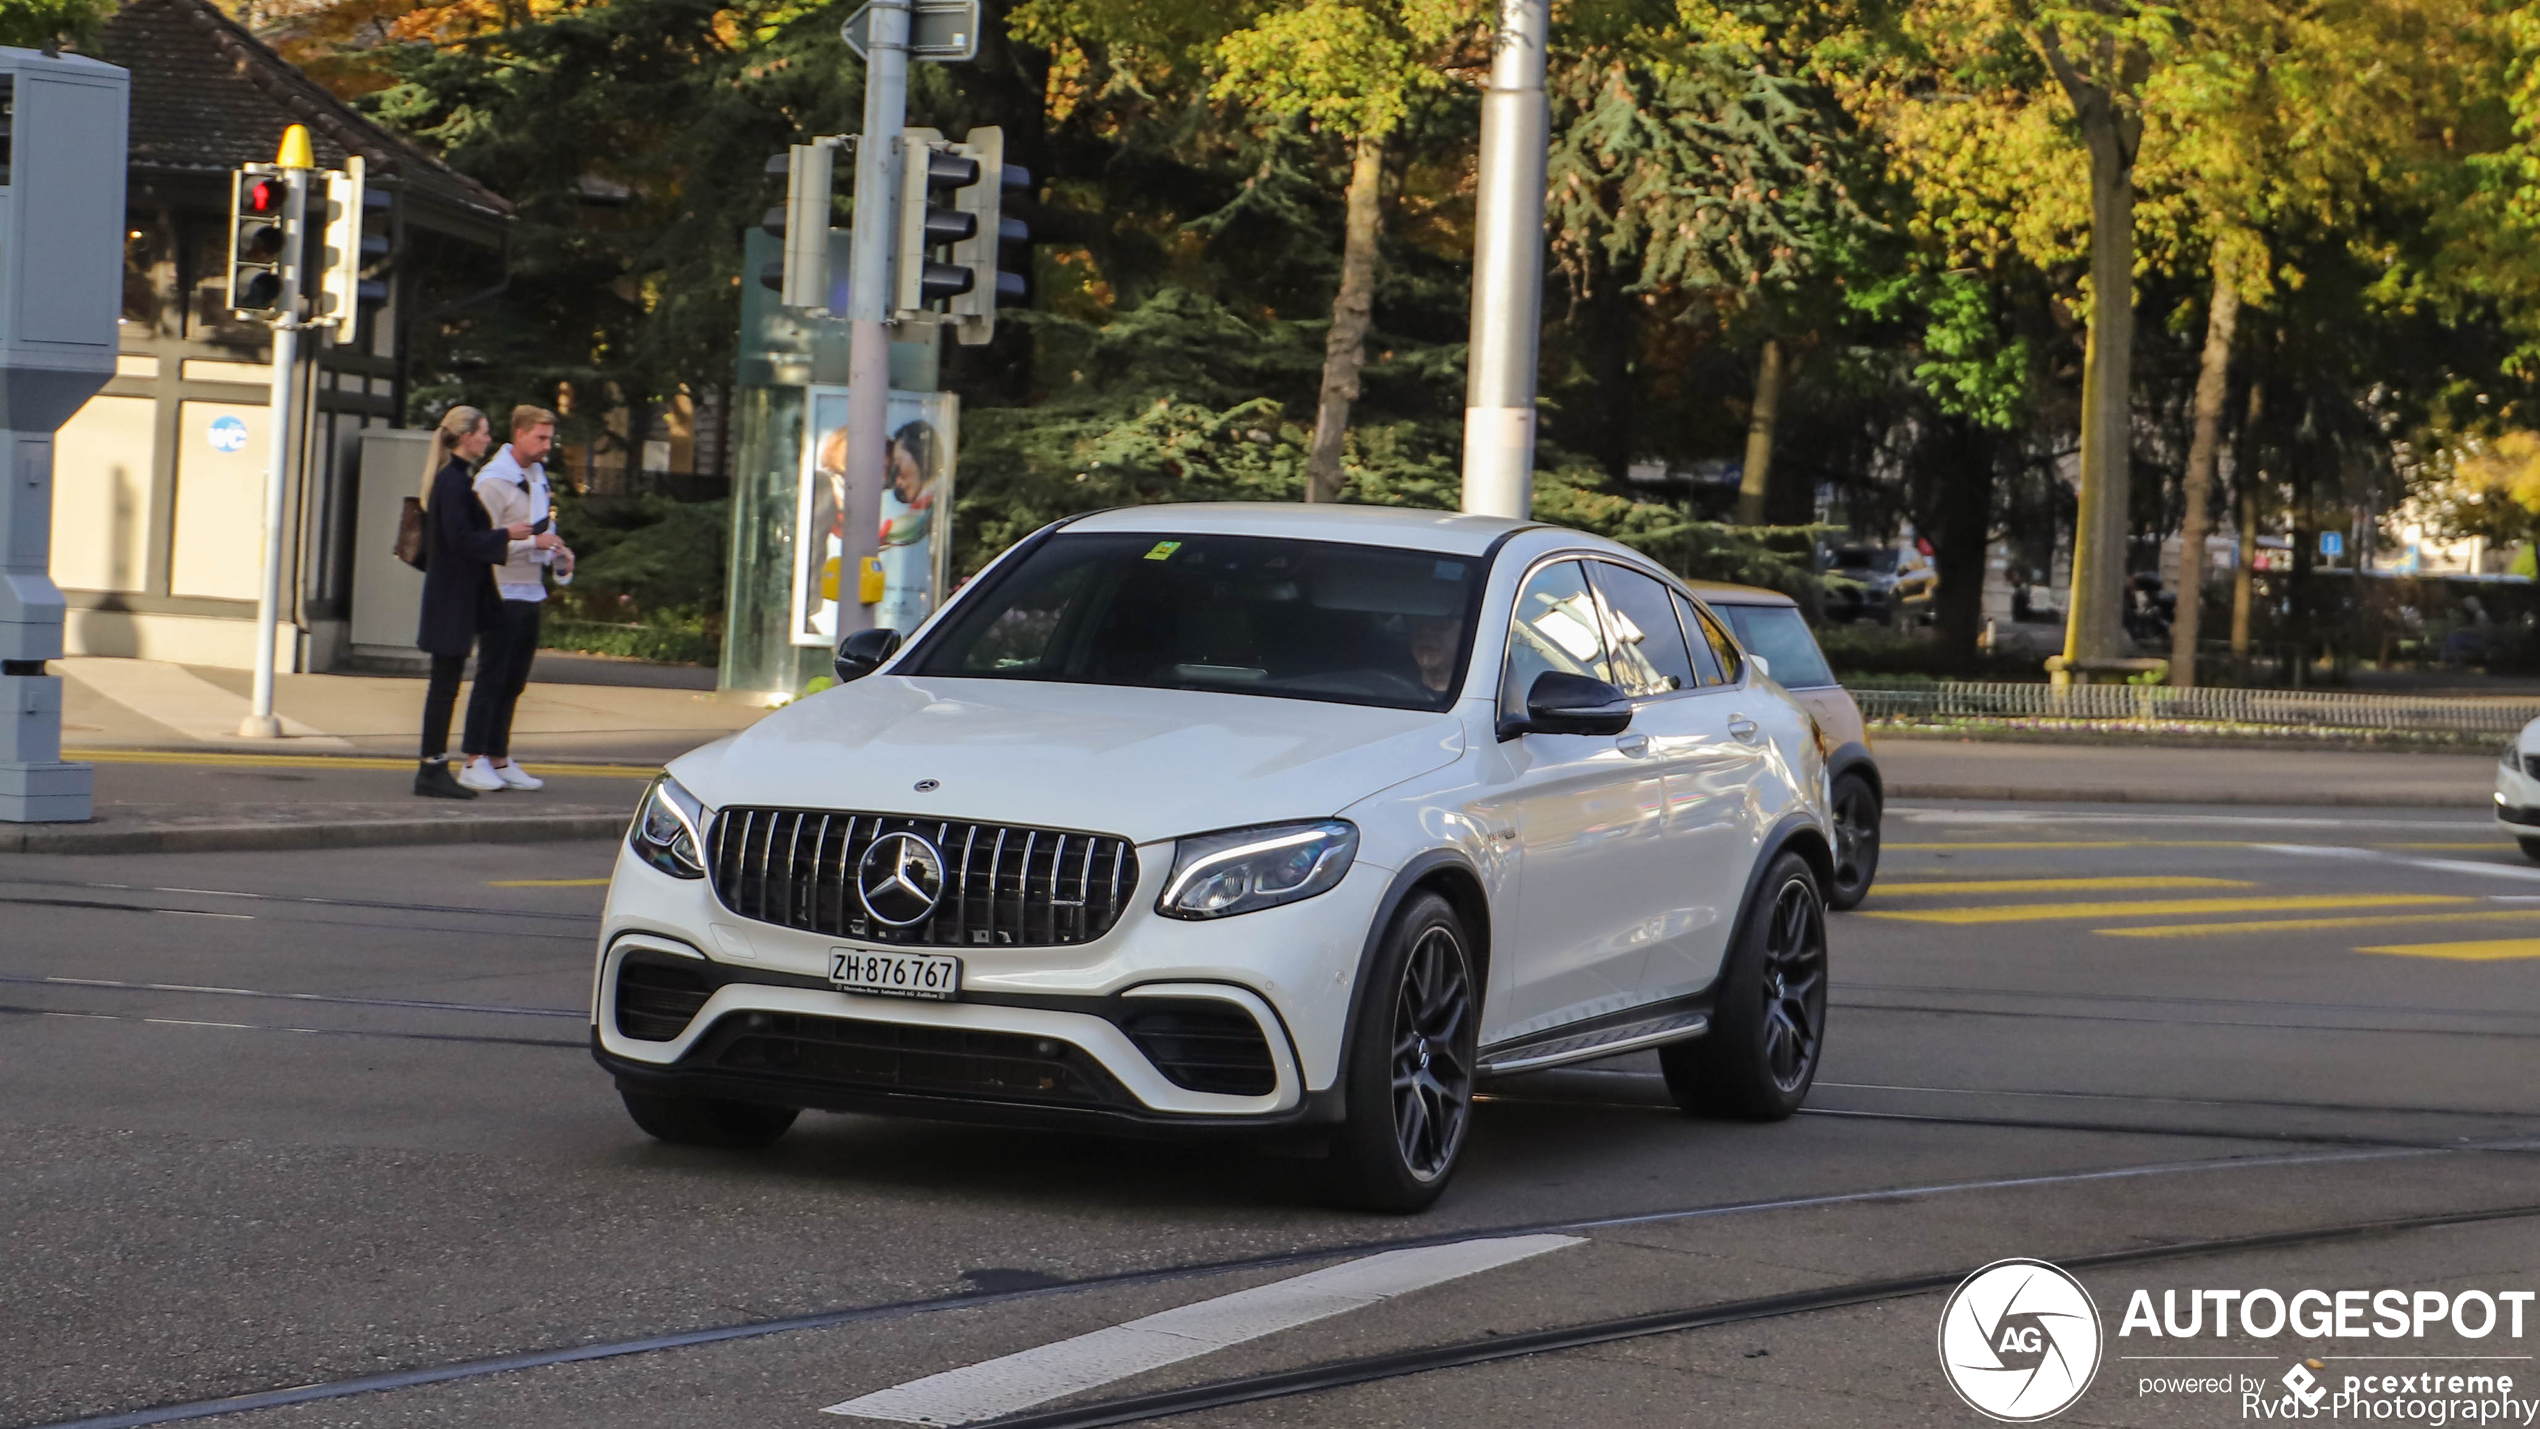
x=869 y=286
x=1499 y=388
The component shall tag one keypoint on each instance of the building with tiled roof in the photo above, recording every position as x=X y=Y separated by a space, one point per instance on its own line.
x=158 y=481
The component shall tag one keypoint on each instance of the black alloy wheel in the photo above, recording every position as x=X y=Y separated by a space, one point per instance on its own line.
x=1856 y=842
x=705 y=1121
x=1768 y=1022
x=1410 y=1065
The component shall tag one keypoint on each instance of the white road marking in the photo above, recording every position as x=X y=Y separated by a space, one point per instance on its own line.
x=180 y=699
x=1053 y=1371
x=2436 y=865
x=1922 y=815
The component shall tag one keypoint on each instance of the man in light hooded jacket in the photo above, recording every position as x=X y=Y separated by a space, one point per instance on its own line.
x=513 y=487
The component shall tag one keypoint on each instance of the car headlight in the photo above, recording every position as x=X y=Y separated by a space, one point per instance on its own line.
x=666 y=832
x=1242 y=870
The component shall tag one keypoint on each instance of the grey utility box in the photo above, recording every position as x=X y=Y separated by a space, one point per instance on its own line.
x=61 y=279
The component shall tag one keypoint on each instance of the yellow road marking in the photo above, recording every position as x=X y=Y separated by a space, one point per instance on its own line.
x=2464 y=952
x=2062 y=885
x=2148 y=907
x=2312 y=925
x=1996 y=846
x=218 y=759
x=549 y=883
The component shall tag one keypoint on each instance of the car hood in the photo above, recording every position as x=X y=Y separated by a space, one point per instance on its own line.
x=1144 y=764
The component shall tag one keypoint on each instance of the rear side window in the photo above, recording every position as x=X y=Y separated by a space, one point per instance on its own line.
x=1780 y=635
x=1706 y=661
x=1554 y=627
x=1723 y=649
x=1643 y=641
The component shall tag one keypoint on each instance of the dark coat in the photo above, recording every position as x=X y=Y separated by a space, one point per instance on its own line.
x=459 y=596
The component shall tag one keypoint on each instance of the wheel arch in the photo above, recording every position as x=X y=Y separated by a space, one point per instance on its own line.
x=1854 y=758
x=1449 y=874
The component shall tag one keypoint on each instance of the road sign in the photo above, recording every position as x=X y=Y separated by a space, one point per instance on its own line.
x=2332 y=543
x=944 y=31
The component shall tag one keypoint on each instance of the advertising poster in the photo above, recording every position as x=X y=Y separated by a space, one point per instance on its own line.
x=911 y=543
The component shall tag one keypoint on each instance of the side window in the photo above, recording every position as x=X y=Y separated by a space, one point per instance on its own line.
x=1732 y=664
x=1644 y=643
x=1554 y=627
x=1706 y=662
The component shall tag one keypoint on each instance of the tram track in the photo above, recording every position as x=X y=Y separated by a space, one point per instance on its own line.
x=1388 y=1366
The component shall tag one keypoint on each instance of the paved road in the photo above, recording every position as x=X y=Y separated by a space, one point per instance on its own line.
x=325 y=1119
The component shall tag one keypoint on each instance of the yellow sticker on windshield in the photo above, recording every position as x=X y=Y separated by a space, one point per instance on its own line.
x=1164 y=550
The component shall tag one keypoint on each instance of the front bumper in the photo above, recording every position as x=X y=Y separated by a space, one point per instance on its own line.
x=1060 y=1035
x=2517 y=797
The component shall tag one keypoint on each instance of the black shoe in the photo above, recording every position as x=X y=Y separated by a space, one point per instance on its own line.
x=433 y=780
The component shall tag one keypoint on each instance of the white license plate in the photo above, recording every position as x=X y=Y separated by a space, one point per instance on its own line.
x=894 y=974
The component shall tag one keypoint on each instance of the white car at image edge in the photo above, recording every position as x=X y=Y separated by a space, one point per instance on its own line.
x=1243 y=817
x=2518 y=789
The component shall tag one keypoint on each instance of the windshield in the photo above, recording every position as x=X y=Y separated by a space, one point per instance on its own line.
x=1256 y=615
x=1777 y=633
x=1862 y=558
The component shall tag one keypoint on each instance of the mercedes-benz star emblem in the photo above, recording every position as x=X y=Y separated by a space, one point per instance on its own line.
x=900 y=879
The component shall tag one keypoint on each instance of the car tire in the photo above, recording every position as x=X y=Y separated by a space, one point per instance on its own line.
x=2530 y=848
x=1856 y=841
x=706 y=1121
x=1409 y=1067
x=1768 y=1017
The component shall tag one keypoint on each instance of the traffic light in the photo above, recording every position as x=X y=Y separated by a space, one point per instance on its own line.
x=264 y=243
x=772 y=275
x=354 y=251
x=930 y=171
x=974 y=308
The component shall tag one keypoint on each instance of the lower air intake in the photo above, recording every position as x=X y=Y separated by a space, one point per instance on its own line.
x=1205 y=1047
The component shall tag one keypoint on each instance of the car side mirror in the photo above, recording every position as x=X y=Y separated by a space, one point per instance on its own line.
x=864 y=652
x=1563 y=703
x=1763 y=667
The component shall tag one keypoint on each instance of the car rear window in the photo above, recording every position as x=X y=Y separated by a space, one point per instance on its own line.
x=1254 y=615
x=1780 y=635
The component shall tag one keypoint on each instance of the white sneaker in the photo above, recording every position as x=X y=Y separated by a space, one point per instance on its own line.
x=481 y=775
x=516 y=777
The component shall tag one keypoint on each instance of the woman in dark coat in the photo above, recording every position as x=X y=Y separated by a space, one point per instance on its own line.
x=462 y=547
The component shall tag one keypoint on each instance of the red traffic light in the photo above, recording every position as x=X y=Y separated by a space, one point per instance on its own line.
x=262 y=196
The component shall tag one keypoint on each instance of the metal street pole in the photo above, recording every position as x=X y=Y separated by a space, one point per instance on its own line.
x=869 y=292
x=261 y=723
x=1499 y=386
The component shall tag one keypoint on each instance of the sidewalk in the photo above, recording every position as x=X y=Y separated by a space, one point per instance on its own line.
x=2150 y=773
x=148 y=704
x=172 y=775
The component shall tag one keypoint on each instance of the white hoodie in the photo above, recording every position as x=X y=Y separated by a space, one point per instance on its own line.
x=513 y=494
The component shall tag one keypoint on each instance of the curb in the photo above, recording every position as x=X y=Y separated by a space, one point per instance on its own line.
x=236 y=838
x=2287 y=798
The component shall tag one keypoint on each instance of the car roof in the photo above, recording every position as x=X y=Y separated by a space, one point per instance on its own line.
x=1448 y=532
x=1722 y=593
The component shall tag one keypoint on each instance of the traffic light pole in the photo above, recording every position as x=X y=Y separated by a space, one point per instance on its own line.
x=261 y=722
x=1499 y=386
x=870 y=289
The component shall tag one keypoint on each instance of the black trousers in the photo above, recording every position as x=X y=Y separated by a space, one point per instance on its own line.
x=503 y=656
x=440 y=696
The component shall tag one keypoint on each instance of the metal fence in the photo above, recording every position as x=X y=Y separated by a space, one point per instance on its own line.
x=2152 y=704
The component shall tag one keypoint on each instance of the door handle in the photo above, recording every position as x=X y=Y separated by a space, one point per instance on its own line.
x=1634 y=745
x=1742 y=728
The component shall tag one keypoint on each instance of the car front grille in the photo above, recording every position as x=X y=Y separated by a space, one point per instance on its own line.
x=851 y=1055
x=658 y=996
x=1003 y=886
x=1205 y=1048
